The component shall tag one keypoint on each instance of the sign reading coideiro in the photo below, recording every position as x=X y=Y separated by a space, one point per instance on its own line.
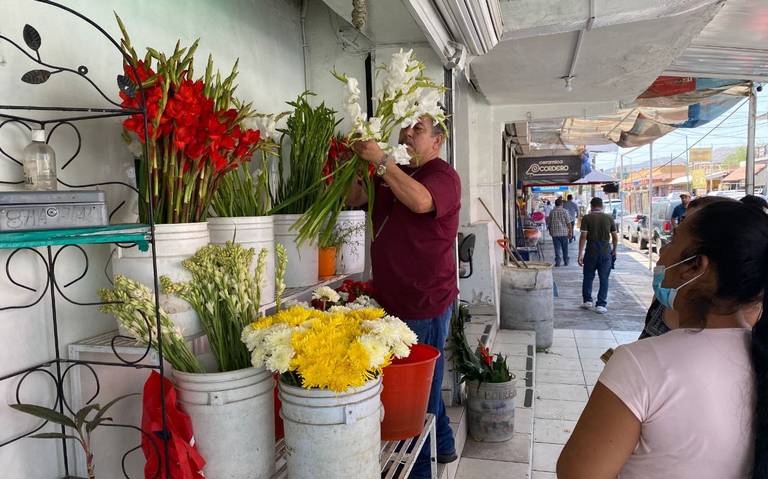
x=549 y=170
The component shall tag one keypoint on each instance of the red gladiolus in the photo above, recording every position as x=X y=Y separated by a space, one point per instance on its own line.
x=486 y=355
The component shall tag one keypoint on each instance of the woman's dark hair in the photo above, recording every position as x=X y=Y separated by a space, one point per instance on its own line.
x=734 y=236
x=706 y=200
x=754 y=201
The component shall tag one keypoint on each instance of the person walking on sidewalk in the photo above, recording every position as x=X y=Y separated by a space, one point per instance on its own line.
x=599 y=236
x=573 y=209
x=560 y=228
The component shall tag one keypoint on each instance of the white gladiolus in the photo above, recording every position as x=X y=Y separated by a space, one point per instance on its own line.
x=353 y=90
x=400 y=155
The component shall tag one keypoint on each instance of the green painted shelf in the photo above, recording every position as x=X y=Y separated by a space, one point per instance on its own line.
x=120 y=233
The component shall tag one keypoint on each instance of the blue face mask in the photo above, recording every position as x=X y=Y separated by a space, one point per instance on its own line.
x=666 y=296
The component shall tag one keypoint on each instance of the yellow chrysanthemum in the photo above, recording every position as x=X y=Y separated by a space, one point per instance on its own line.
x=366 y=314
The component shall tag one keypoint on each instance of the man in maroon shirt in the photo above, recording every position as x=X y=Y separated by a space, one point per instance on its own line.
x=415 y=222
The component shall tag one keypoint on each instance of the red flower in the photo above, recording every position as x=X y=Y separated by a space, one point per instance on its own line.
x=486 y=355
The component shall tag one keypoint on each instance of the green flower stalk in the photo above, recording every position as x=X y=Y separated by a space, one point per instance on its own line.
x=133 y=304
x=226 y=297
x=282 y=263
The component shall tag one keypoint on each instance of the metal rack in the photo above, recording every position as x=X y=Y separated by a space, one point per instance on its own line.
x=397 y=458
x=49 y=246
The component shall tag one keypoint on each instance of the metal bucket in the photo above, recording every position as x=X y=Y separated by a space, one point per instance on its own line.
x=233 y=421
x=527 y=300
x=333 y=435
x=491 y=411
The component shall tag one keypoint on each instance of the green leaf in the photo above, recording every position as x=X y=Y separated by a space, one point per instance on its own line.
x=97 y=419
x=54 y=435
x=45 y=413
x=83 y=413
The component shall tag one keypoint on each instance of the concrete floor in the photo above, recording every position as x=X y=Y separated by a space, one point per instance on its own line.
x=629 y=293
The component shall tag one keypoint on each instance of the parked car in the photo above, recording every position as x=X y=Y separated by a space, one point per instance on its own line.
x=631 y=227
x=662 y=222
x=635 y=227
x=615 y=209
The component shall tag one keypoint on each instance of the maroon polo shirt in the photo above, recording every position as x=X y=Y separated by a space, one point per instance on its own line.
x=413 y=259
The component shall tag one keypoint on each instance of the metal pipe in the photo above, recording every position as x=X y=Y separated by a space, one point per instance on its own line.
x=304 y=43
x=650 y=209
x=577 y=48
x=749 y=179
x=621 y=197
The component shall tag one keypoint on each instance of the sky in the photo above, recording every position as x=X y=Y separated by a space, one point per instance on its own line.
x=732 y=133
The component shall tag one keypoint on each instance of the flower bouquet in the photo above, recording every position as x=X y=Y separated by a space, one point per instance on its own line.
x=194 y=132
x=225 y=295
x=350 y=295
x=133 y=304
x=405 y=95
x=245 y=191
x=332 y=350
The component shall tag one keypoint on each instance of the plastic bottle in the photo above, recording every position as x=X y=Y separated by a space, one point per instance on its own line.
x=39 y=164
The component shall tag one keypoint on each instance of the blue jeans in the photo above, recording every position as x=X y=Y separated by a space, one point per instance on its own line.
x=561 y=244
x=434 y=332
x=597 y=258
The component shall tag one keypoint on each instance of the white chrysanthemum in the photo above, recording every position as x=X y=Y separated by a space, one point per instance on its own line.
x=280 y=360
x=325 y=293
x=376 y=349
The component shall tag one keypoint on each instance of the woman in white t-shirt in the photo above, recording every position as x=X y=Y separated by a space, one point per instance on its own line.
x=692 y=403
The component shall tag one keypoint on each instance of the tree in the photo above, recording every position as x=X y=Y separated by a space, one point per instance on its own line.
x=737 y=156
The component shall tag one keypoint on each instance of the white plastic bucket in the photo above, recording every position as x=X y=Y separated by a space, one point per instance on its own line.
x=333 y=435
x=174 y=243
x=350 y=257
x=255 y=232
x=233 y=421
x=302 y=269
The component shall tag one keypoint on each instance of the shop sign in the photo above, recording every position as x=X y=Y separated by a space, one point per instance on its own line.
x=549 y=170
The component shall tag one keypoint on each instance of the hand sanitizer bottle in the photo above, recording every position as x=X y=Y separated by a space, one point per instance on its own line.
x=39 y=164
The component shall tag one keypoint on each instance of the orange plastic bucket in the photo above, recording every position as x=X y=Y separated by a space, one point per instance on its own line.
x=327 y=261
x=405 y=396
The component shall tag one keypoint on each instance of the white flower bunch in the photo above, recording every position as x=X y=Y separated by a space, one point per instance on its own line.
x=327 y=294
x=387 y=334
x=266 y=123
x=270 y=347
x=405 y=95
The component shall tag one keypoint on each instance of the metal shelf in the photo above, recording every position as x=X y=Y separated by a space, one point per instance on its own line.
x=120 y=233
x=397 y=458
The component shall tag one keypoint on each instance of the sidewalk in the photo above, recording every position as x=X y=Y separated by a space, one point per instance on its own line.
x=629 y=293
x=564 y=375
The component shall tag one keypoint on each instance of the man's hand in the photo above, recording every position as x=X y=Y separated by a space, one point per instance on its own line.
x=581 y=259
x=368 y=150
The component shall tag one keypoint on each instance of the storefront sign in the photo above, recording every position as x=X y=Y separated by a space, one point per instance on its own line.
x=549 y=189
x=549 y=170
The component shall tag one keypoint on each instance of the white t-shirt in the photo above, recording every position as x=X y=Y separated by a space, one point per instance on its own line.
x=694 y=393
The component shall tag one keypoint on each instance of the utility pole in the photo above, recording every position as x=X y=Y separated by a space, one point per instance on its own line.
x=749 y=180
x=688 y=166
x=650 y=209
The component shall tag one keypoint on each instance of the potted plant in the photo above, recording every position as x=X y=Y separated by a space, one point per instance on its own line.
x=85 y=421
x=491 y=387
x=330 y=365
x=330 y=244
x=194 y=135
x=304 y=146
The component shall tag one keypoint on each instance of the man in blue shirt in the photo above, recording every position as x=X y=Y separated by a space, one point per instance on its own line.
x=678 y=214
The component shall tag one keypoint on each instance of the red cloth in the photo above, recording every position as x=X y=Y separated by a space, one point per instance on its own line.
x=412 y=255
x=185 y=461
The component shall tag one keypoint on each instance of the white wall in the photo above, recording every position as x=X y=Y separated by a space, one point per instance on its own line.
x=265 y=34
